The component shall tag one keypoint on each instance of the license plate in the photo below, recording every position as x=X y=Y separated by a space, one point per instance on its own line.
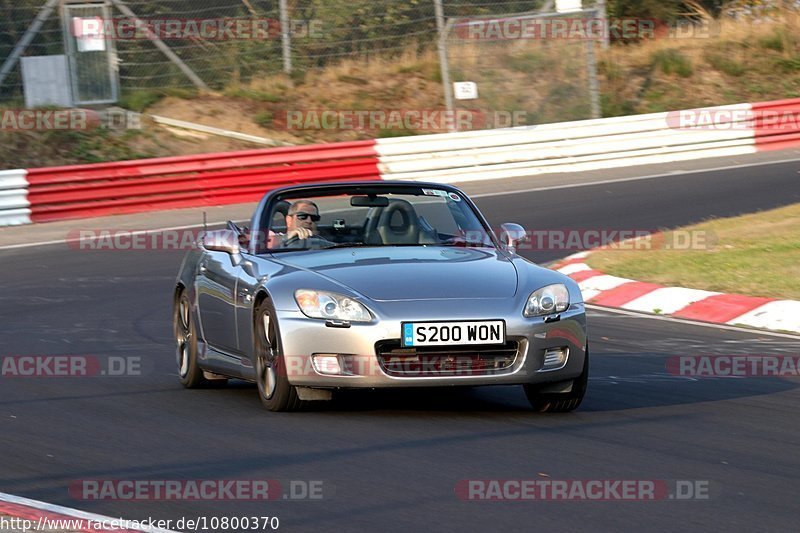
x=453 y=333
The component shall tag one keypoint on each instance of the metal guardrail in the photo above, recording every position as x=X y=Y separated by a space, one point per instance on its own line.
x=14 y=204
x=82 y=191
x=589 y=144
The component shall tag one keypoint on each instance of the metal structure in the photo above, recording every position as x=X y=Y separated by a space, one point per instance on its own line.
x=542 y=80
x=522 y=80
x=92 y=59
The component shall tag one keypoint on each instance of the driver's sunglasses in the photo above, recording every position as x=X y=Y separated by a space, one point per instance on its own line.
x=304 y=216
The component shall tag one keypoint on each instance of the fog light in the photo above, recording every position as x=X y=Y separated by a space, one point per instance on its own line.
x=327 y=364
x=555 y=358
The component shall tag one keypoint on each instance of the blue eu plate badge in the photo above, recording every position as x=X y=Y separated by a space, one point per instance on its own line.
x=408 y=334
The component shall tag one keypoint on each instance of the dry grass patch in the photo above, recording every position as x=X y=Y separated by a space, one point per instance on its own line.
x=756 y=254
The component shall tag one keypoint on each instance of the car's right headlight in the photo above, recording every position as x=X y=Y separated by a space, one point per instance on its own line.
x=331 y=306
x=547 y=300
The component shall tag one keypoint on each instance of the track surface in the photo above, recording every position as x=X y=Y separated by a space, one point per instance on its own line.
x=392 y=460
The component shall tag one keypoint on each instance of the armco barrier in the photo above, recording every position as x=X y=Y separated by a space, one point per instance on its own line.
x=777 y=124
x=214 y=179
x=590 y=144
x=14 y=204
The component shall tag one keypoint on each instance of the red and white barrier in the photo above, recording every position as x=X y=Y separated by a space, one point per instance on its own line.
x=14 y=204
x=721 y=131
x=81 y=191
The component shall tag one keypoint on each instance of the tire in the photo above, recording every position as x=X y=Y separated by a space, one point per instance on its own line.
x=560 y=402
x=274 y=389
x=190 y=373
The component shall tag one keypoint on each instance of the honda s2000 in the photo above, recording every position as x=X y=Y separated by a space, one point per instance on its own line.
x=374 y=285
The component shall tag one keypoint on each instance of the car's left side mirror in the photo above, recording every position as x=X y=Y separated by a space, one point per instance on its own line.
x=222 y=240
x=512 y=235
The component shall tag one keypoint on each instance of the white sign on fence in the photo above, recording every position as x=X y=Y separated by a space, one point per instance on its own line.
x=567 y=6
x=465 y=90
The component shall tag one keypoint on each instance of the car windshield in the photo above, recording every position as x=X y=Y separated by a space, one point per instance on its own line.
x=408 y=217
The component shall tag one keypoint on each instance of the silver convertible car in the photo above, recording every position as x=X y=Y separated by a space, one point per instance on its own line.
x=374 y=285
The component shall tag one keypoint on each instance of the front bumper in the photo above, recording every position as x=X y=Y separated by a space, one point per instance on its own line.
x=356 y=348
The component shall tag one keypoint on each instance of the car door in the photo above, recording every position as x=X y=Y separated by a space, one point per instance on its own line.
x=217 y=281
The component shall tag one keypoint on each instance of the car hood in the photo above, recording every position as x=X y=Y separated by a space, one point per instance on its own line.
x=394 y=273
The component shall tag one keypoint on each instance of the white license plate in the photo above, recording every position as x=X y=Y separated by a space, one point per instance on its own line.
x=453 y=333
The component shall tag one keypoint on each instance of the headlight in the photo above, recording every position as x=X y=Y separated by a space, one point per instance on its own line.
x=547 y=300
x=332 y=306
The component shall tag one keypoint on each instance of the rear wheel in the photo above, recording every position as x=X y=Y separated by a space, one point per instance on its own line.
x=562 y=402
x=191 y=375
x=274 y=389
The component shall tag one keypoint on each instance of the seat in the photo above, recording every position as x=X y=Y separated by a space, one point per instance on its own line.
x=396 y=223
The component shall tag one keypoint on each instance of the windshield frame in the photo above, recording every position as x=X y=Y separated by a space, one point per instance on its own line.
x=271 y=202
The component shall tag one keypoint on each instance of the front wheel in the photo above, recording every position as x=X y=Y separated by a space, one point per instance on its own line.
x=560 y=402
x=274 y=389
x=190 y=373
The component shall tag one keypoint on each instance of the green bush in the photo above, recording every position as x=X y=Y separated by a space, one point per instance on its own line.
x=253 y=94
x=140 y=100
x=725 y=64
x=789 y=65
x=264 y=119
x=671 y=62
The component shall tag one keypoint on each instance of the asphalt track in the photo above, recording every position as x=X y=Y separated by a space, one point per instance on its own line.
x=391 y=460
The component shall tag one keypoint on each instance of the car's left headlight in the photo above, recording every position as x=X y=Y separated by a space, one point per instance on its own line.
x=329 y=305
x=547 y=300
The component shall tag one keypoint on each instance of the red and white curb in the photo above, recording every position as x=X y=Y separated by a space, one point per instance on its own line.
x=706 y=306
x=41 y=516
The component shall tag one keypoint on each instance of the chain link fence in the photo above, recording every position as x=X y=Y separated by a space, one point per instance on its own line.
x=217 y=43
x=527 y=68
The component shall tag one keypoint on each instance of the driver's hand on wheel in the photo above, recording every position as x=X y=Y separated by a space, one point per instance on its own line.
x=299 y=233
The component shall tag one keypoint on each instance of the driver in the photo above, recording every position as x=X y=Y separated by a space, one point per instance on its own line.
x=301 y=220
x=301 y=224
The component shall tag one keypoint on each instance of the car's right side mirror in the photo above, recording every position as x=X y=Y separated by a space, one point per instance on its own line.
x=512 y=235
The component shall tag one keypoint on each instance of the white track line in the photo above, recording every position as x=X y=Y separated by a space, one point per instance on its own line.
x=635 y=178
x=74 y=513
x=483 y=195
x=132 y=232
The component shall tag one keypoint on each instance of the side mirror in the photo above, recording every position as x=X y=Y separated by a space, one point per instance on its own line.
x=512 y=235
x=222 y=240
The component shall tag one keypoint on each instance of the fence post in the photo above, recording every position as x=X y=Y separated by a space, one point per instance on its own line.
x=286 y=38
x=443 y=30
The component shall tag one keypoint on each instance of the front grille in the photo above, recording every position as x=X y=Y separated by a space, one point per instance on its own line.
x=444 y=361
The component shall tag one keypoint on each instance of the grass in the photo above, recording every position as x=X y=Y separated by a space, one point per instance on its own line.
x=264 y=119
x=249 y=93
x=139 y=100
x=672 y=61
x=756 y=254
x=726 y=64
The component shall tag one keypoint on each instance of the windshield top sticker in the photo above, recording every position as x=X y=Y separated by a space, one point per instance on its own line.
x=434 y=192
